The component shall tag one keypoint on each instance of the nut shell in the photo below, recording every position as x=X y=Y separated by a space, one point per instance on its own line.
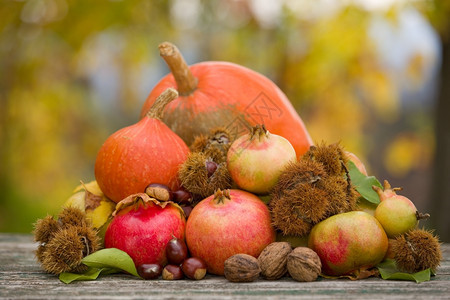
x=241 y=268
x=160 y=192
x=172 y=272
x=194 y=268
x=149 y=271
x=304 y=264
x=273 y=260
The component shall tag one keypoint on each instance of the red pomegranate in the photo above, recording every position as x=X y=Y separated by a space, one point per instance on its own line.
x=256 y=160
x=227 y=223
x=143 y=226
x=216 y=94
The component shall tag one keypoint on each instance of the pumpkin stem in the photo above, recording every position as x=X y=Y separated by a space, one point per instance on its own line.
x=157 y=109
x=186 y=82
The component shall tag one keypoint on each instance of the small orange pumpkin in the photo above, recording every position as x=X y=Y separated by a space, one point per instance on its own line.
x=140 y=154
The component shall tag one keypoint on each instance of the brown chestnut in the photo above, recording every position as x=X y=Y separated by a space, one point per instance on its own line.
x=187 y=211
x=194 y=268
x=176 y=251
x=172 y=272
x=149 y=271
x=182 y=196
x=211 y=167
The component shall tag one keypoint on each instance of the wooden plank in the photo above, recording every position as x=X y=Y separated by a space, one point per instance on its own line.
x=21 y=277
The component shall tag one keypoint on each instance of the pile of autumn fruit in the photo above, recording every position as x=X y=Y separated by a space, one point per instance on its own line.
x=220 y=176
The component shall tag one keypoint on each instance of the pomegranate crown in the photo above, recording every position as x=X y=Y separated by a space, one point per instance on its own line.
x=220 y=196
x=387 y=191
x=258 y=131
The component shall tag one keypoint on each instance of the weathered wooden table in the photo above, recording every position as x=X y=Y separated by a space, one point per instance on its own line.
x=22 y=278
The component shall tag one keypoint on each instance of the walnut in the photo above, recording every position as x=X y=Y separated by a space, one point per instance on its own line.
x=273 y=259
x=241 y=268
x=303 y=264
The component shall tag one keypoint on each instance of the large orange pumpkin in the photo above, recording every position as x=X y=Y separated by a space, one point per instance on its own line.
x=225 y=94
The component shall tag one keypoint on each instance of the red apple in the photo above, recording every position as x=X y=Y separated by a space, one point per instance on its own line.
x=227 y=223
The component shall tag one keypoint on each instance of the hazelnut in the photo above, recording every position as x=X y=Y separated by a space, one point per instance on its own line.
x=241 y=268
x=304 y=264
x=160 y=192
x=273 y=259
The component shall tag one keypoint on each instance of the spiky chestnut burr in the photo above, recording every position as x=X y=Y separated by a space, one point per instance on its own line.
x=416 y=251
x=332 y=157
x=201 y=175
x=65 y=241
x=298 y=201
x=214 y=145
x=311 y=190
x=72 y=216
x=343 y=196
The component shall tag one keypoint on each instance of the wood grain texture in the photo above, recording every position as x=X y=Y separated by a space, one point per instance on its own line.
x=22 y=278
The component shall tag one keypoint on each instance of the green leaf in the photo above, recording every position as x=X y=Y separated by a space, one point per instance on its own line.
x=102 y=262
x=363 y=183
x=388 y=270
x=111 y=258
x=90 y=274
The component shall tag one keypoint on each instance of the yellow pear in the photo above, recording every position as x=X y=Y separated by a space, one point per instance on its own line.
x=89 y=198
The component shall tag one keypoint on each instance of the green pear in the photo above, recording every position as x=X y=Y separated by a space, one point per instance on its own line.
x=90 y=199
x=348 y=243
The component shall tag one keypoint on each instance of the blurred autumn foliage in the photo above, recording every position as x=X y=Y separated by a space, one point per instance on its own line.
x=72 y=72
